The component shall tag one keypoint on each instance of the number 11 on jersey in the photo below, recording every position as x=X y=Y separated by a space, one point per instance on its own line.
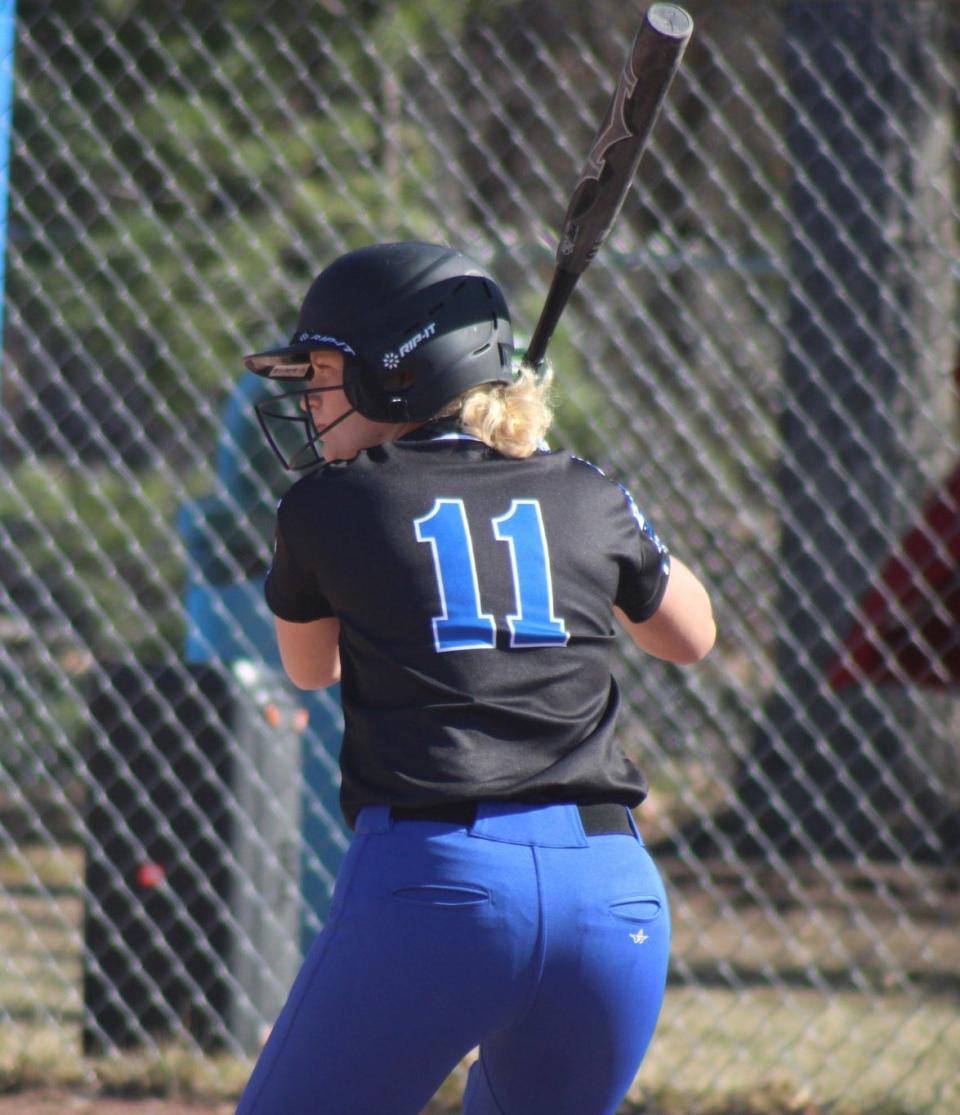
x=462 y=625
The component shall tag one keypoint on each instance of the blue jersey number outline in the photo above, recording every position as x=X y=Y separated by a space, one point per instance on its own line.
x=462 y=625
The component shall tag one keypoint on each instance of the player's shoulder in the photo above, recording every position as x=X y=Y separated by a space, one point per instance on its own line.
x=588 y=473
x=317 y=484
x=581 y=466
x=607 y=488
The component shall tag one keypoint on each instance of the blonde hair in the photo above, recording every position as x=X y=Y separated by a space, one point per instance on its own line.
x=512 y=418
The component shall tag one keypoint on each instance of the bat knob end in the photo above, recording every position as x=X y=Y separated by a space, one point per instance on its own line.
x=670 y=20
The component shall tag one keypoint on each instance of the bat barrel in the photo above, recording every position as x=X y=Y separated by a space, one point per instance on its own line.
x=622 y=138
x=614 y=156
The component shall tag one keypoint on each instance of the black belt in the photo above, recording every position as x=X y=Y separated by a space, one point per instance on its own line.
x=598 y=819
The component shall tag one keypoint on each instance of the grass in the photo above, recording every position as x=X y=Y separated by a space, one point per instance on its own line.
x=743 y=1049
x=843 y=1052
x=49 y=1057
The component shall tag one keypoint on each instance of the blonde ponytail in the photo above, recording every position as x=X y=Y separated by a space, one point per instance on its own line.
x=512 y=418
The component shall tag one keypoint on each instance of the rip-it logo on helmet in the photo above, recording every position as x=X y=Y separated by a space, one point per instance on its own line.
x=392 y=359
x=325 y=341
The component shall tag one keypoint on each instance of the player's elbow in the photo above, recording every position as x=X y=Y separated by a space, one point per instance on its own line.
x=696 y=645
x=682 y=644
x=310 y=678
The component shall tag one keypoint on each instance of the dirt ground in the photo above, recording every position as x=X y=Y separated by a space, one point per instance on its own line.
x=60 y=1103
x=64 y=1103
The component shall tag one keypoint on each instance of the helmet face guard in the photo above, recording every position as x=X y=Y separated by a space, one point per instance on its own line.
x=417 y=325
x=287 y=423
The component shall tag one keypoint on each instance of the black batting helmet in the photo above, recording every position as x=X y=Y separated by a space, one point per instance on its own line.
x=417 y=324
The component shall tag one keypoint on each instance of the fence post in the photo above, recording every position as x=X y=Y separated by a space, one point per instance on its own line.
x=7 y=42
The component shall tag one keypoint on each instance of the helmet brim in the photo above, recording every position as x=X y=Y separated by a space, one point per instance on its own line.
x=292 y=361
x=289 y=362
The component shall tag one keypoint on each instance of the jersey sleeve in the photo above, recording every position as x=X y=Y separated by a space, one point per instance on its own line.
x=644 y=563
x=292 y=588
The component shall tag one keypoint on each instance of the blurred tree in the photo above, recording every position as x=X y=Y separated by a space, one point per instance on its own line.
x=178 y=175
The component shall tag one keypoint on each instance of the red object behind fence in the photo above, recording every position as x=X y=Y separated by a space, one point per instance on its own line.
x=909 y=626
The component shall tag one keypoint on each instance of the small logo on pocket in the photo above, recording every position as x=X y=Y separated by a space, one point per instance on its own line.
x=639 y=937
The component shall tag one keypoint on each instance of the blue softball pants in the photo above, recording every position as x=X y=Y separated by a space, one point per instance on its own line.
x=517 y=933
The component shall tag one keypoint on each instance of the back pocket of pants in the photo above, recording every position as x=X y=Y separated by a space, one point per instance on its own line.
x=442 y=894
x=640 y=909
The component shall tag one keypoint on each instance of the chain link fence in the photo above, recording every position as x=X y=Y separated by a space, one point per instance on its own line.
x=766 y=351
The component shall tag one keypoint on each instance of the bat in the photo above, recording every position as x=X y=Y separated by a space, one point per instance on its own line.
x=613 y=160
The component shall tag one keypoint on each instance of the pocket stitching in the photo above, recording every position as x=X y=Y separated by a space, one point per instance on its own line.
x=433 y=894
x=646 y=900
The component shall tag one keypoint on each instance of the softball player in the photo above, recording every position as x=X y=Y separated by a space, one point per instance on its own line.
x=462 y=583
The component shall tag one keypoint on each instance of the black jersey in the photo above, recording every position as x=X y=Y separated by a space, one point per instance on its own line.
x=475 y=595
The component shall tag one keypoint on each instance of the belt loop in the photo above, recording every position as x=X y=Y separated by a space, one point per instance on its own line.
x=374 y=818
x=541 y=826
